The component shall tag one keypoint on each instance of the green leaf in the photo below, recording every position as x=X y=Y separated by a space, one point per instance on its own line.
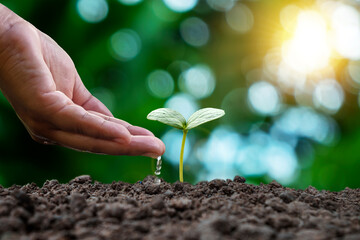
x=169 y=117
x=204 y=115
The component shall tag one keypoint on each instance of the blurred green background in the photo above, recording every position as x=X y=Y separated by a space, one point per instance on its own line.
x=287 y=73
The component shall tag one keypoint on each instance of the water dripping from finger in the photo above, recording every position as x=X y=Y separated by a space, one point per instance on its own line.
x=158 y=170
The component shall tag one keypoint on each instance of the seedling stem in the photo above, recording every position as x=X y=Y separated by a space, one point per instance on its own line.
x=181 y=175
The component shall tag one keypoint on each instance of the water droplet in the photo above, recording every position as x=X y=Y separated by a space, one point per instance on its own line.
x=157 y=181
x=158 y=166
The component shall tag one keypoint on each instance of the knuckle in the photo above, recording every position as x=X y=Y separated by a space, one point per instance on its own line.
x=18 y=35
x=14 y=42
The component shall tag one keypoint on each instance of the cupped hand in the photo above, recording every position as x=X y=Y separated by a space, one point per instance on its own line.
x=40 y=81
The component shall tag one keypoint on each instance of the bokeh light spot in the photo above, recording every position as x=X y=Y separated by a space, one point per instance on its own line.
x=163 y=12
x=346 y=25
x=289 y=79
x=264 y=98
x=271 y=63
x=221 y=147
x=281 y=161
x=194 y=31
x=199 y=81
x=328 y=95
x=130 y=2
x=125 y=44
x=305 y=122
x=353 y=69
x=240 y=18
x=180 y=5
x=288 y=17
x=183 y=103
x=220 y=153
x=261 y=154
x=92 y=11
x=160 y=84
x=249 y=161
x=177 y=67
x=221 y=5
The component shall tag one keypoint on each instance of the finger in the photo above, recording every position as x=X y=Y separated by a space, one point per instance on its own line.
x=146 y=146
x=139 y=145
x=75 y=119
x=86 y=143
x=134 y=130
x=41 y=139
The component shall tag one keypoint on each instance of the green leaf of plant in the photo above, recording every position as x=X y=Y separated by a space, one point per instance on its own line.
x=204 y=115
x=168 y=116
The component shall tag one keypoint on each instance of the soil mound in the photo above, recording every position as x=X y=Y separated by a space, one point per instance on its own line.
x=218 y=209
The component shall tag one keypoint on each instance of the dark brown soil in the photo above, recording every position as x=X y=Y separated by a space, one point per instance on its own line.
x=217 y=209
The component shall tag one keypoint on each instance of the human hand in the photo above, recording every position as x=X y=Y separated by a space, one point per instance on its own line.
x=41 y=83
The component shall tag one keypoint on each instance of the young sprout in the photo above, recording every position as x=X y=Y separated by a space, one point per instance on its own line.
x=173 y=118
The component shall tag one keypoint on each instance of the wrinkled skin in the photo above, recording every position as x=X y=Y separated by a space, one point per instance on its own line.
x=41 y=83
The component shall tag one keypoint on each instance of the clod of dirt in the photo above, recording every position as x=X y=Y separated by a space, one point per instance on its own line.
x=217 y=209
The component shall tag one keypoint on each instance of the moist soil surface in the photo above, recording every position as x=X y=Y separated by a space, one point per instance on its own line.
x=219 y=209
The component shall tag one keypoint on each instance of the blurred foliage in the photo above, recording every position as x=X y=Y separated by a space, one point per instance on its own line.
x=121 y=85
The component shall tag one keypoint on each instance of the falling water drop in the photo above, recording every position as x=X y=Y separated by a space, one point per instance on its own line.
x=158 y=165
x=158 y=170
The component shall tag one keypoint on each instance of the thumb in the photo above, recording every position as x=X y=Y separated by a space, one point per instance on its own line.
x=83 y=98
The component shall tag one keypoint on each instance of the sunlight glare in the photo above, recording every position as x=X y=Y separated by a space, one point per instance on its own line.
x=346 y=30
x=309 y=49
x=288 y=17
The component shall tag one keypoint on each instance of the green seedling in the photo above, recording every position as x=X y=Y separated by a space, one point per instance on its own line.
x=173 y=118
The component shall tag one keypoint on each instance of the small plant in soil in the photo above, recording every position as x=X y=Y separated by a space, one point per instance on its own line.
x=175 y=119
